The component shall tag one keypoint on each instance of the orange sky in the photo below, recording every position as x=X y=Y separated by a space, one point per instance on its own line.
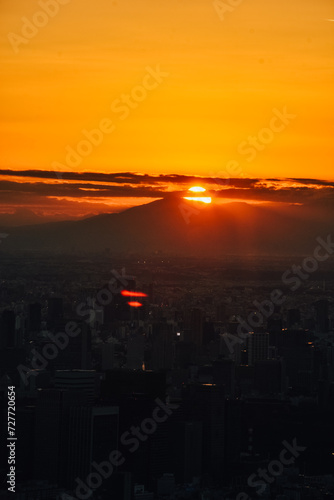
x=224 y=83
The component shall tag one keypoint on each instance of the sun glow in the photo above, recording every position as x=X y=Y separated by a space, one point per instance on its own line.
x=198 y=189
x=206 y=199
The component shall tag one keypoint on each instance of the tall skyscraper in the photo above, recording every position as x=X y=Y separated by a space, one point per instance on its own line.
x=77 y=354
x=108 y=355
x=187 y=450
x=257 y=346
x=55 y=311
x=223 y=371
x=162 y=347
x=193 y=327
x=293 y=318
x=135 y=352
x=269 y=376
x=206 y=403
x=51 y=433
x=34 y=318
x=7 y=329
x=321 y=315
x=93 y=435
x=77 y=380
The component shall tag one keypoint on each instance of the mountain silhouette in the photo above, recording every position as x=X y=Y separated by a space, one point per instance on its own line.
x=179 y=227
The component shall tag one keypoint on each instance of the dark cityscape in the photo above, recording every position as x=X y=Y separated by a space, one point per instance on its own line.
x=168 y=378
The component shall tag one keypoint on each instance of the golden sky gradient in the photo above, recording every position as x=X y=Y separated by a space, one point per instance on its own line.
x=225 y=78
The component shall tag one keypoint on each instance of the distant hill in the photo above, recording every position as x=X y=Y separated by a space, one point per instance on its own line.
x=179 y=227
x=25 y=217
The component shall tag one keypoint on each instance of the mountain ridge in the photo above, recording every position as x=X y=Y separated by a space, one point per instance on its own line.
x=178 y=226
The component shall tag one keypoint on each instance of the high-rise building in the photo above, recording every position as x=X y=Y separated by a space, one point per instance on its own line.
x=120 y=383
x=51 y=433
x=77 y=380
x=55 y=311
x=257 y=346
x=25 y=433
x=10 y=360
x=93 y=435
x=193 y=327
x=187 y=450
x=162 y=347
x=269 y=376
x=108 y=355
x=135 y=352
x=206 y=403
x=34 y=318
x=223 y=371
x=78 y=353
x=275 y=323
x=141 y=494
x=7 y=329
x=208 y=332
x=321 y=315
x=233 y=416
x=293 y=318
x=166 y=485
x=117 y=307
x=297 y=349
x=184 y=354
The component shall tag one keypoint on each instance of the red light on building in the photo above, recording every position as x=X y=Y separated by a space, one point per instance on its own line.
x=127 y=293
x=135 y=304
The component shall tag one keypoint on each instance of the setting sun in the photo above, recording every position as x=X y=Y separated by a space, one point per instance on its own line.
x=198 y=189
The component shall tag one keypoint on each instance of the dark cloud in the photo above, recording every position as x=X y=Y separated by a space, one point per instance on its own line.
x=312 y=181
x=281 y=195
x=81 y=185
x=117 y=178
x=79 y=190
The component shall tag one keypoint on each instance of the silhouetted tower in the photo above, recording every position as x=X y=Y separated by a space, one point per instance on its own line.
x=7 y=329
x=162 y=347
x=193 y=327
x=55 y=310
x=34 y=318
x=257 y=346
x=293 y=318
x=321 y=311
x=206 y=403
